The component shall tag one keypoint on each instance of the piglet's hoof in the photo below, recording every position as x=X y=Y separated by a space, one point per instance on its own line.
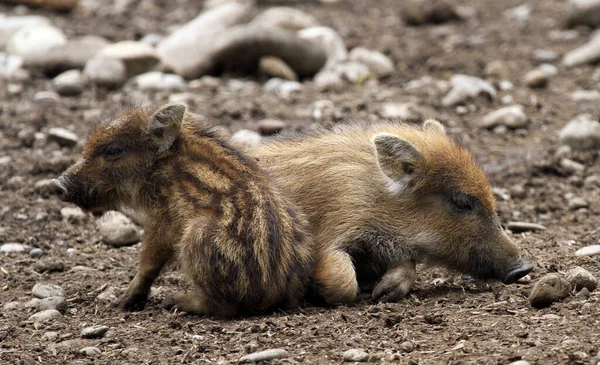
x=132 y=303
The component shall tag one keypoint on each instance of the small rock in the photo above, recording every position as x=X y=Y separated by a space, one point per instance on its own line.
x=588 y=251
x=32 y=303
x=407 y=346
x=521 y=14
x=571 y=167
x=46 y=97
x=580 y=278
x=583 y=12
x=581 y=133
x=47 y=290
x=402 y=111
x=33 y=43
x=578 y=203
x=247 y=138
x=518 y=227
x=537 y=79
x=90 y=351
x=57 y=303
x=355 y=355
x=138 y=57
x=584 y=293
x=50 y=336
x=117 y=230
x=156 y=80
x=74 y=214
x=285 y=18
x=276 y=67
x=49 y=266
x=11 y=24
x=74 y=54
x=108 y=296
x=588 y=53
x=378 y=63
x=519 y=362
x=466 y=87
x=544 y=56
x=36 y=252
x=11 y=306
x=497 y=69
x=329 y=79
x=182 y=98
x=265 y=355
x=517 y=191
x=69 y=83
x=10 y=65
x=512 y=117
x=12 y=248
x=282 y=87
x=354 y=72
x=329 y=40
x=94 y=331
x=419 y=12
x=269 y=127
x=105 y=71
x=63 y=137
x=524 y=280
x=45 y=316
x=585 y=96
x=549 y=289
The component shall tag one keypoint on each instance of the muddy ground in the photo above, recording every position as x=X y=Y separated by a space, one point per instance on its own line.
x=454 y=322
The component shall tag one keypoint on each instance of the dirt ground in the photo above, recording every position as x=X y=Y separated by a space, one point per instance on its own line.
x=454 y=322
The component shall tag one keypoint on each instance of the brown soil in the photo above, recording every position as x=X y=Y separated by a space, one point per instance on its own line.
x=456 y=322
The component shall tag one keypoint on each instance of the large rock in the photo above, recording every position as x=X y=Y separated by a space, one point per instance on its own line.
x=588 y=53
x=548 y=290
x=466 y=87
x=581 y=278
x=9 y=25
x=419 y=12
x=285 y=18
x=378 y=63
x=583 y=12
x=581 y=133
x=105 y=71
x=186 y=51
x=74 y=54
x=137 y=56
x=329 y=40
x=117 y=230
x=33 y=43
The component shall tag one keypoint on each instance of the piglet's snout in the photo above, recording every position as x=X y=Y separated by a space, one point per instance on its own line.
x=60 y=189
x=519 y=269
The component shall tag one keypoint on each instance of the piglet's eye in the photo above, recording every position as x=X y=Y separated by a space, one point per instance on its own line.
x=113 y=151
x=463 y=203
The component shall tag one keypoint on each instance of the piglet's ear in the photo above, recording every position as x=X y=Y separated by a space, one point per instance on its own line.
x=396 y=157
x=165 y=124
x=434 y=125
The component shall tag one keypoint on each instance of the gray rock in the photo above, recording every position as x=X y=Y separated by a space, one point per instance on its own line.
x=354 y=72
x=549 y=289
x=512 y=117
x=63 y=137
x=355 y=355
x=12 y=306
x=10 y=65
x=588 y=53
x=581 y=278
x=138 y=57
x=74 y=214
x=90 y=351
x=407 y=346
x=74 y=54
x=585 y=96
x=577 y=203
x=108 y=296
x=50 y=336
x=521 y=14
x=265 y=355
x=329 y=79
x=12 y=248
x=268 y=127
x=285 y=18
x=544 y=56
x=378 y=63
x=47 y=290
x=329 y=40
x=537 y=79
x=57 y=303
x=466 y=87
x=33 y=43
x=282 y=87
x=401 y=111
x=36 y=252
x=69 y=83
x=186 y=51
x=159 y=81
x=246 y=138
x=46 y=97
x=583 y=12
x=518 y=227
x=581 y=133
x=117 y=230
x=275 y=67
x=105 y=71
x=571 y=167
x=11 y=24
x=520 y=362
x=45 y=316
x=94 y=331
x=419 y=12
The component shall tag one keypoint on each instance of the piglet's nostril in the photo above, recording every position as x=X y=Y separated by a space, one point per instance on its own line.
x=60 y=189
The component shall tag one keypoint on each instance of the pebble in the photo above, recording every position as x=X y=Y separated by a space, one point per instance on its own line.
x=74 y=214
x=466 y=87
x=156 y=80
x=378 y=63
x=90 y=351
x=74 y=54
x=10 y=65
x=269 y=127
x=577 y=203
x=524 y=280
x=47 y=290
x=94 y=331
x=521 y=14
x=355 y=355
x=182 y=98
x=544 y=56
x=519 y=362
x=105 y=71
x=572 y=167
x=583 y=12
x=584 y=293
x=512 y=117
x=32 y=303
x=419 y=12
x=11 y=24
x=497 y=69
x=50 y=336
x=588 y=251
x=36 y=252
x=588 y=53
x=33 y=43
x=108 y=295
x=46 y=97
x=518 y=227
x=45 y=316
x=12 y=248
x=138 y=57
x=329 y=40
x=276 y=67
x=537 y=79
x=354 y=72
x=581 y=133
x=585 y=95
x=63 y=137
x=117 y=230
x=265 y=355
x=57 y=303
x=407 y=346
x=49 y=266
x=69 y=83
x=247 y=138
x=11 y=306
x=285 y=18
x=402 y=111
x=581 y=278
x=282 y=87
x=549 y=289
x=329 y=79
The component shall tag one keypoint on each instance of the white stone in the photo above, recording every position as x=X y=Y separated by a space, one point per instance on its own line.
x=588 y=251
x=588 y=53
x=57 y=303
x=9 y=65
x=585 y=95
x=105 y=71
x=11 y=24
x=34 y=42
x=138 y=57
x=282 y=87
x=378 y=63
x=511 y=117
x=12 y=248
x=466 y=87
x=329 y=79
x=329 y=40
x=69 y=83
x=265 y=355
x=581 y=133
x=62 y=136
x=355 y=355
x=401 y=111
x=94 y=331
x=285 y=18
x=117 y=230
x=47 y=290
x=156 y=80
x=45 y=316
x=73 y=213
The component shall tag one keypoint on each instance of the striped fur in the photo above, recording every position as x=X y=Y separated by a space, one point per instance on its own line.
x=242 y=244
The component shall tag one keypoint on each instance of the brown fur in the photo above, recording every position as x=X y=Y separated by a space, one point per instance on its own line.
x=242 y=244
x=384 y=197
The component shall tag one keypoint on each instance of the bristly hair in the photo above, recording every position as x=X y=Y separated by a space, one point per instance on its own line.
x=123 y=105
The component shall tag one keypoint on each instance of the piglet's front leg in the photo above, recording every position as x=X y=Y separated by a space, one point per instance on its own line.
x=396 y=282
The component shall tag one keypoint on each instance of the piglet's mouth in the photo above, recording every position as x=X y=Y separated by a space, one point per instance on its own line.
x=521 y=269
